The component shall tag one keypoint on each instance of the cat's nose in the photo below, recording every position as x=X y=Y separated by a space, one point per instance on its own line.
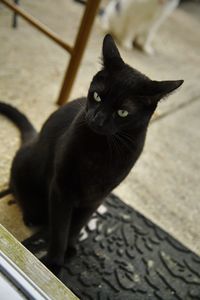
x=99 y=120
x=97 y=125
x=100 y=123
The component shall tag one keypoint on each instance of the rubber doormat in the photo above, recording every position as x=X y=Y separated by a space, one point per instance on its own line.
x=122 y=255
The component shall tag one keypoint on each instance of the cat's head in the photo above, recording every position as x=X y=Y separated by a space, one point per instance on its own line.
x=121 y=98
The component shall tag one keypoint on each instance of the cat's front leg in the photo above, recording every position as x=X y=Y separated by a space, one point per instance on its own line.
x=60 y=214
x=127 y=40
x=144 y=42
x=80 y=217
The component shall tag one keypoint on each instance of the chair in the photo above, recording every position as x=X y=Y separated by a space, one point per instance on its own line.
x=76 y=51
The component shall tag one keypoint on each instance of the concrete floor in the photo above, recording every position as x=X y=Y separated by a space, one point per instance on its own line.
x=164 y=185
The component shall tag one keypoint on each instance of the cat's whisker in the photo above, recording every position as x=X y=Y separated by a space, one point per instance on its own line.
x=127 y=137
x=110 y=147
x=123 y=142
x=81 y=104
x=81 y=124
x=117 y=144
x=83 y=121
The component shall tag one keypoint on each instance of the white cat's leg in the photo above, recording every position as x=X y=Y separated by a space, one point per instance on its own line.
x=127 y=38
x=127 y=43
x=103 y=20
x=148 y=39
x=144 y=42
x=145 y=39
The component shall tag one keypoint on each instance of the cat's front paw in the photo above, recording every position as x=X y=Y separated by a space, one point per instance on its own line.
x=54 y=268
x=28 y=222
x=71 y=251
x=31 y=221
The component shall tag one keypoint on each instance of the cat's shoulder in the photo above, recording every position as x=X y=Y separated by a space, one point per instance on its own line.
x=74 y=105
x=71 y=108
x=64 y=115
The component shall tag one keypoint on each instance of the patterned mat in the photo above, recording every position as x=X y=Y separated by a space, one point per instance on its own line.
x=122 y=255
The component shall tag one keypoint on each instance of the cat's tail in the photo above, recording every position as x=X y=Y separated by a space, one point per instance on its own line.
x=5 y=192
x=20 y=120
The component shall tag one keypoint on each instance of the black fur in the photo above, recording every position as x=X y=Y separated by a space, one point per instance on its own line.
x=26 y=128
x=83 y=151
x=5 y=192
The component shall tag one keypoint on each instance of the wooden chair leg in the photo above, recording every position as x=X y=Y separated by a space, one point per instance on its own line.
x=78 y=50
x=15 y=16
x=80 y=43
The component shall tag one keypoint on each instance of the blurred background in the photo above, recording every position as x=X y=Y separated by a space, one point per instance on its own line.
x=164 y=185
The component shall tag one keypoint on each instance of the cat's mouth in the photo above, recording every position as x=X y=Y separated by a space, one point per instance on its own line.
x=95 y=127
x=101 y=131
x=98 y=129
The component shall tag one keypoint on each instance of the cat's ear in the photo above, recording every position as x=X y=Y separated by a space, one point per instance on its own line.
x=111 y=55
x=161 y=89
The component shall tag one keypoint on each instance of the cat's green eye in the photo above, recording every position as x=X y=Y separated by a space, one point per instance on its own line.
x=96 y=97
x=122 y=113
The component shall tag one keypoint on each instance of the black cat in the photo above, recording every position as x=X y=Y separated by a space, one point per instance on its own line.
x=84 y=150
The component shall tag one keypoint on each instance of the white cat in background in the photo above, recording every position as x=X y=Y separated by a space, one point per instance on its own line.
x=136 y=21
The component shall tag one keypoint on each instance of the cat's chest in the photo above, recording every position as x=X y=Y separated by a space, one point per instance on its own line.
x=98 y=164
x=100 y=174
x=101 y=170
